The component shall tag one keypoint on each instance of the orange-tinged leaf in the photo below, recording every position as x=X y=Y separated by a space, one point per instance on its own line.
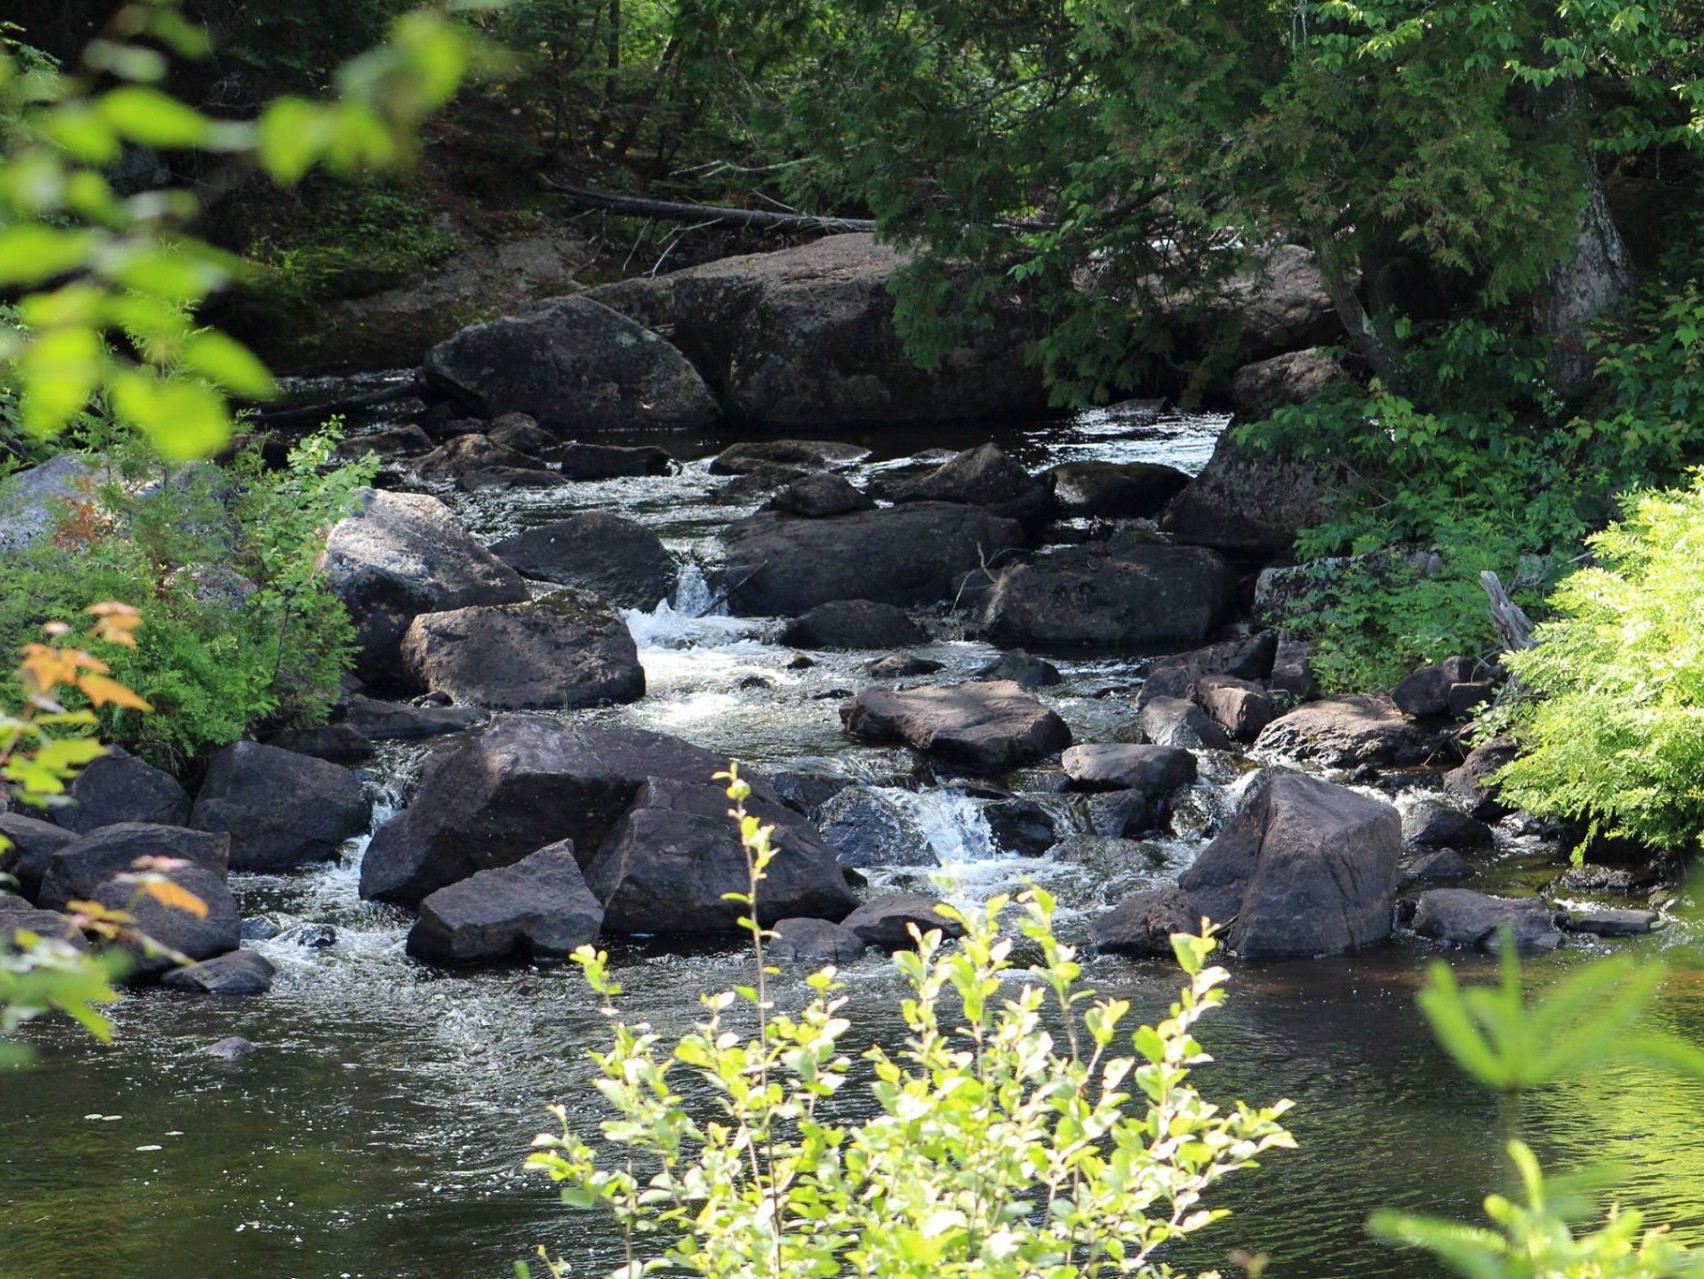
x=173 y=897
x=100 y=690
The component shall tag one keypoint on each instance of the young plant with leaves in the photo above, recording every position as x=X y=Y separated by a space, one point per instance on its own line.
x=1009 y=1137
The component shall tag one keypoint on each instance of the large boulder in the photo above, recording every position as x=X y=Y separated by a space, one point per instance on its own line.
x=539 y=907
x=1115 y=490
x=568 y=649
x=1291 y=378
x=621 y=560
x=280 y=809
x=1120 y=594
x=1462 y=917
x=906 y=555
x=1346 y=732
x=1282 y=302
x=979 y=727
x=864 y=828
x=1103 y=766
x=1304 y=868
x=575 y=367
x=118 y=787
x=805 y=336
x=521 y=784
x=1180 y=674
x=400 y=555
x=817 y=497
x=674 y=856
x=853 y=624
x=214 y=931
x=29 y=846
x=1250 y=502
x=81 y=867
x=982 y=476
x=1172 y=721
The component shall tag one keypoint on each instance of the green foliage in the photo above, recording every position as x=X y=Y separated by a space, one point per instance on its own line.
x=239 y=628
x=1009 y=1136
x=106 y=285
x=1613 y=733
x=1587 y=1021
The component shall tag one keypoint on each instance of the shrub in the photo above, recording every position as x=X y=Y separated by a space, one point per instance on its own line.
x=1009 y=1137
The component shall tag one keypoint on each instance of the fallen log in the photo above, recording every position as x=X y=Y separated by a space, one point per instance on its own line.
x=709 y=214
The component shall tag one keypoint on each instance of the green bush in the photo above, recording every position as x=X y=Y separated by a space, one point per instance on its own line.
x=238 y=628
x=1009 y=1136
x=1613 y=730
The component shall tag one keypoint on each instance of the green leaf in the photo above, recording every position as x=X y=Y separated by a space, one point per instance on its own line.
x=153 y=118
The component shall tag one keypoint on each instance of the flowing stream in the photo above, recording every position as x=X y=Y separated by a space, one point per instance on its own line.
x=379 y=1126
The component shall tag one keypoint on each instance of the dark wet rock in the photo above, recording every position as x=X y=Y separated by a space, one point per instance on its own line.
x=1468 y=696
x=200 y=937
x=1156 y=770
x=401 y=555
x=1430 y=824
x=467 y=454
x=230 y=1048
x=43 y=923
x=33 y=844
x=581 y=461
x=568 y=649
x=776 y=565
x=508 y=477
x=1179 y=674
x=981 y=728
x=1463 y=917
x=760 y=483
x=401 y=721
x=519 y=431
x=310 y=936
x=816 y=497
x=280 y=809
x=1610 y=921
x=524 y=783
x=1104 y=595
x=258 y=928
x=812 y=455
x=673 y=857
x=574 y=366
x=1239 y=706
x=81 y=867
x=886 y=921
x=393 y=442
x=1248 y=502
x=339 y=743
x=983 y=476
x=1468 y=784
x=121 y=788
x=1290 y=378
x=805 y=335
x=617 y=558
x=1020 y=826
x=902 y=666
x=539 y=907
x=1588 y=878
x=1442 y=866
x=239 y=972
x=1292 y=669
x=1345 y=732
x=1426 y=691
x=865 y=828
x=801 y=940
x=1127 y=814
x=1028 y=672
x=805 y=791
x=1114 y=490
x=853 y=624
x=1143 y=923
x=1304 y=868
x=1172 y=721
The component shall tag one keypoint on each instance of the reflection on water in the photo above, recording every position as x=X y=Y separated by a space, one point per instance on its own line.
x=378 y=1128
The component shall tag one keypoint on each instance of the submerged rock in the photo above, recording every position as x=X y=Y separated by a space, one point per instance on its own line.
x=813 y=455
x=240 y=972
x=1463 y=917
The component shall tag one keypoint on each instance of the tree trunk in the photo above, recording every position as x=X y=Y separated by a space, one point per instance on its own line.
x=1597 y=276
x=1375 y=343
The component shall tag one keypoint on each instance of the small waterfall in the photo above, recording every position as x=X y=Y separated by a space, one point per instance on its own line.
x=951 y=821
x=692 y=594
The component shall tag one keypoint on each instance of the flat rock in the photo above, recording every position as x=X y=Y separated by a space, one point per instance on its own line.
x=1345 y=732
x=902 y=666
x=853 y=624
x=466 y=454
x=539 y=907
x=568 y=649
x=1100 y=766
x=280 y=809
x=1029 y=672
x=981 y=727
x=886 y=921
x=1304 y=868
x=754 y=455
x=1114 y=490
x=778 y=565
x=582 y=461
x=810 y=941
x=400 y=555
x=1611 y=921
x=239 y=972
x=400 y=721
x=1462 y=917
x=574 y=366
x=1143 y=923
x=618 y=559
